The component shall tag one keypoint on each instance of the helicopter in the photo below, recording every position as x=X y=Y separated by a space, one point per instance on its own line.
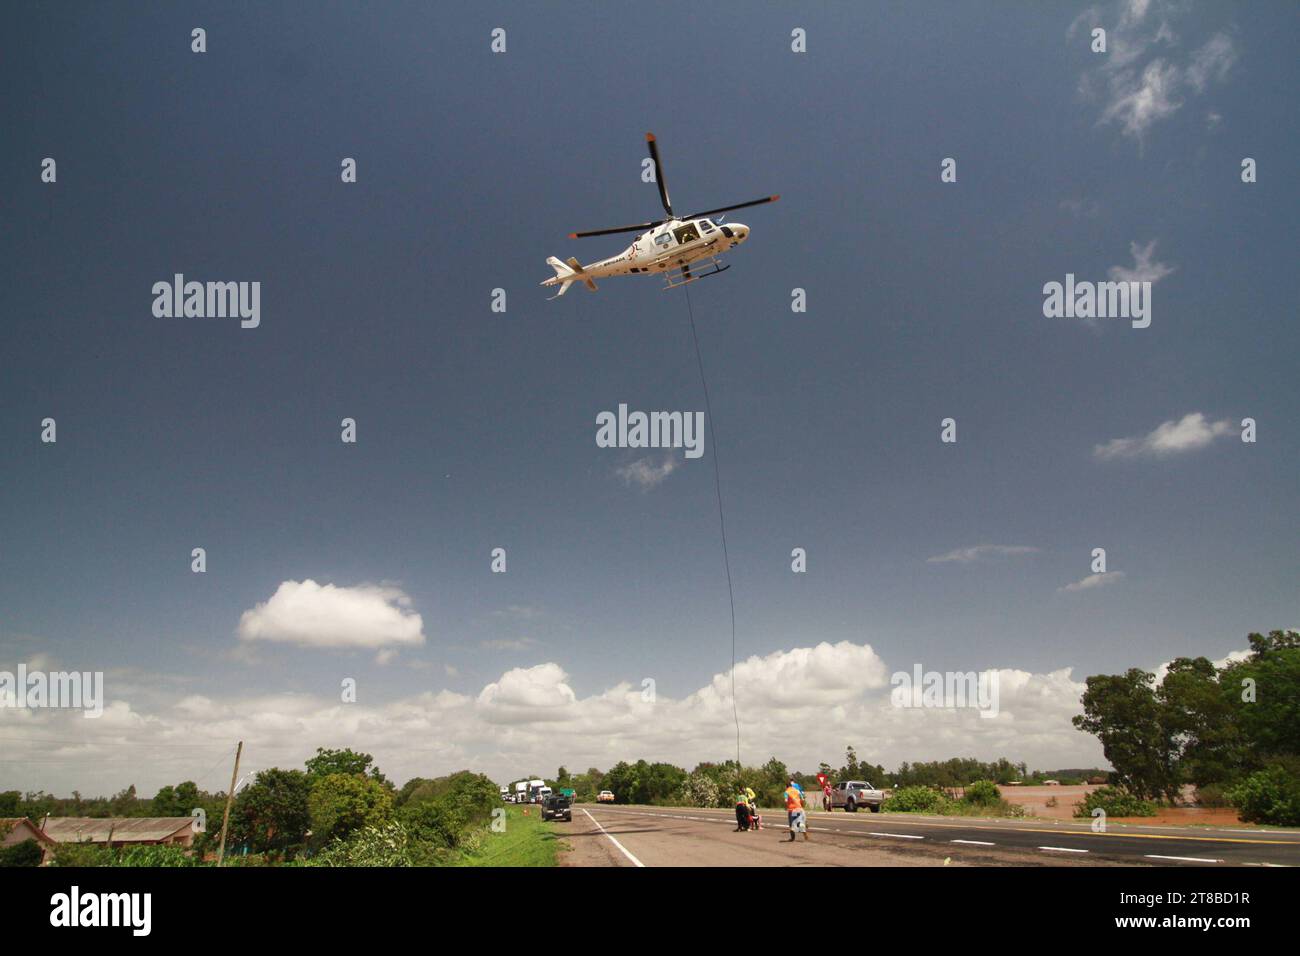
x=668 y=247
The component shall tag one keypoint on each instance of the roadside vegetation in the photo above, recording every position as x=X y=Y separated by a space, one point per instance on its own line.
x=1115 y=802
x=1233 y=732
x=980 y=799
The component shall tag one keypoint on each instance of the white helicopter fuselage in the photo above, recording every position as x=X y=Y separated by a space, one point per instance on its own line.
x=671 y=246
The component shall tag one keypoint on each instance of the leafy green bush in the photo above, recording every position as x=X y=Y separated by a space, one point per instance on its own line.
x=463 y=803
x=82 y=854
x=97 y=854
x=26 y=853
x=341 y=803
x=1212 y=796
x=700 y=790
x=1115 y=803
x=387 y=845
x=914 y=800
x=145 y=855
x=1268 y=796
x=982 y=793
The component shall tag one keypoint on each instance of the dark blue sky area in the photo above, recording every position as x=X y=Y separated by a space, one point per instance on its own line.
x=476 y=429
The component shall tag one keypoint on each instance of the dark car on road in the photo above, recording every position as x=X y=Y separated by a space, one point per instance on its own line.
x=557 y=806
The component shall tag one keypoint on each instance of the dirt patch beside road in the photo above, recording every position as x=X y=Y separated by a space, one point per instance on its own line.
x=1035 y=800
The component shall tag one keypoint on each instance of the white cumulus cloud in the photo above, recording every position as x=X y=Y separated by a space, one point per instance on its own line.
x=1148 y=70
x=802 y=705
x=327 y=615
x=1189 y=433
x=1094 y=581
x=1145 y=268
x=967 y=555
x=646 y=473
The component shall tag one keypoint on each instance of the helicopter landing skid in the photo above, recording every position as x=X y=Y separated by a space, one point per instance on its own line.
x=684 y=274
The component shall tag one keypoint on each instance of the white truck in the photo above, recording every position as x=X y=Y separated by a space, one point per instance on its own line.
x=852 y=794
x=521 y=791
x=534 y=790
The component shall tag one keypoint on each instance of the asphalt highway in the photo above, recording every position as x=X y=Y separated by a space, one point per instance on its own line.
x=601 y=834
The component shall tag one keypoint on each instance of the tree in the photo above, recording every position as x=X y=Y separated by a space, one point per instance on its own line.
x=408 y=788
x=25 y=853
x=124 y=803
x=444 y=816
x=342 y=803
x=328 y=762
x=1269 y=720
x=271 y=814
x=177 y=801
x=1125 y=714
x=1200 y=718
x=1212 y=727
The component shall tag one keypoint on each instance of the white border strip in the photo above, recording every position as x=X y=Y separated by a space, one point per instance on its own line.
x=624 y=850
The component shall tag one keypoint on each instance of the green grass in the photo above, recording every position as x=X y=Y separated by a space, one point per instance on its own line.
x=527 y=841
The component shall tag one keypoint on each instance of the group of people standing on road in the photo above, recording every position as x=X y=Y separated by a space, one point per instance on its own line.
x=747 y=816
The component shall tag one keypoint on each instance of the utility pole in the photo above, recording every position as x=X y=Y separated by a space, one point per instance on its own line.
x=230 y=795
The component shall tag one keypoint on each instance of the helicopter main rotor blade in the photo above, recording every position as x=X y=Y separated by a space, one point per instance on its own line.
x=739 y=205
x=659 y=173
x=609 y=232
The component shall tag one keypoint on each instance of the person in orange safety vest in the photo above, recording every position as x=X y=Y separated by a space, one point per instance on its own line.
x=794 y=809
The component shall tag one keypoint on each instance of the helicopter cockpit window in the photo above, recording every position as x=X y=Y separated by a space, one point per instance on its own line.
x=706 y=225
x=686 y=233
x=664 y=238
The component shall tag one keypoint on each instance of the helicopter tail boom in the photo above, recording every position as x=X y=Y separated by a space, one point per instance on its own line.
x=567 y=273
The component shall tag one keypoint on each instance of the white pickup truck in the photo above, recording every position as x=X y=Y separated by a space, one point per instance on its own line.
x=852 y=794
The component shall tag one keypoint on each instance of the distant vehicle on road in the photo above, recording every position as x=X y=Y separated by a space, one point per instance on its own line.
x=605 y=796
x=852 y=794
x=557 y=806
x=521 y=792
x=535 y=788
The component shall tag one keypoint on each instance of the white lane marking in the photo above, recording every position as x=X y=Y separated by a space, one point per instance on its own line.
x=622 y=848
x=899 y=836
x=974 y=842
x=1062 y=849
x=1184 y=859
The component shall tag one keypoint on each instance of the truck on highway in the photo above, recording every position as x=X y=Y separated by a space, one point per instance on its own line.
x=852 y=794
x=521 y=791
x=534 y=790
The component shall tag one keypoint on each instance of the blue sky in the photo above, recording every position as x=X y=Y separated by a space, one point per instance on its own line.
x=476 y=429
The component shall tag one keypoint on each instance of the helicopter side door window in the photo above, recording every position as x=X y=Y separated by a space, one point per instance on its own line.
x=686 y=233
x=664 y=239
